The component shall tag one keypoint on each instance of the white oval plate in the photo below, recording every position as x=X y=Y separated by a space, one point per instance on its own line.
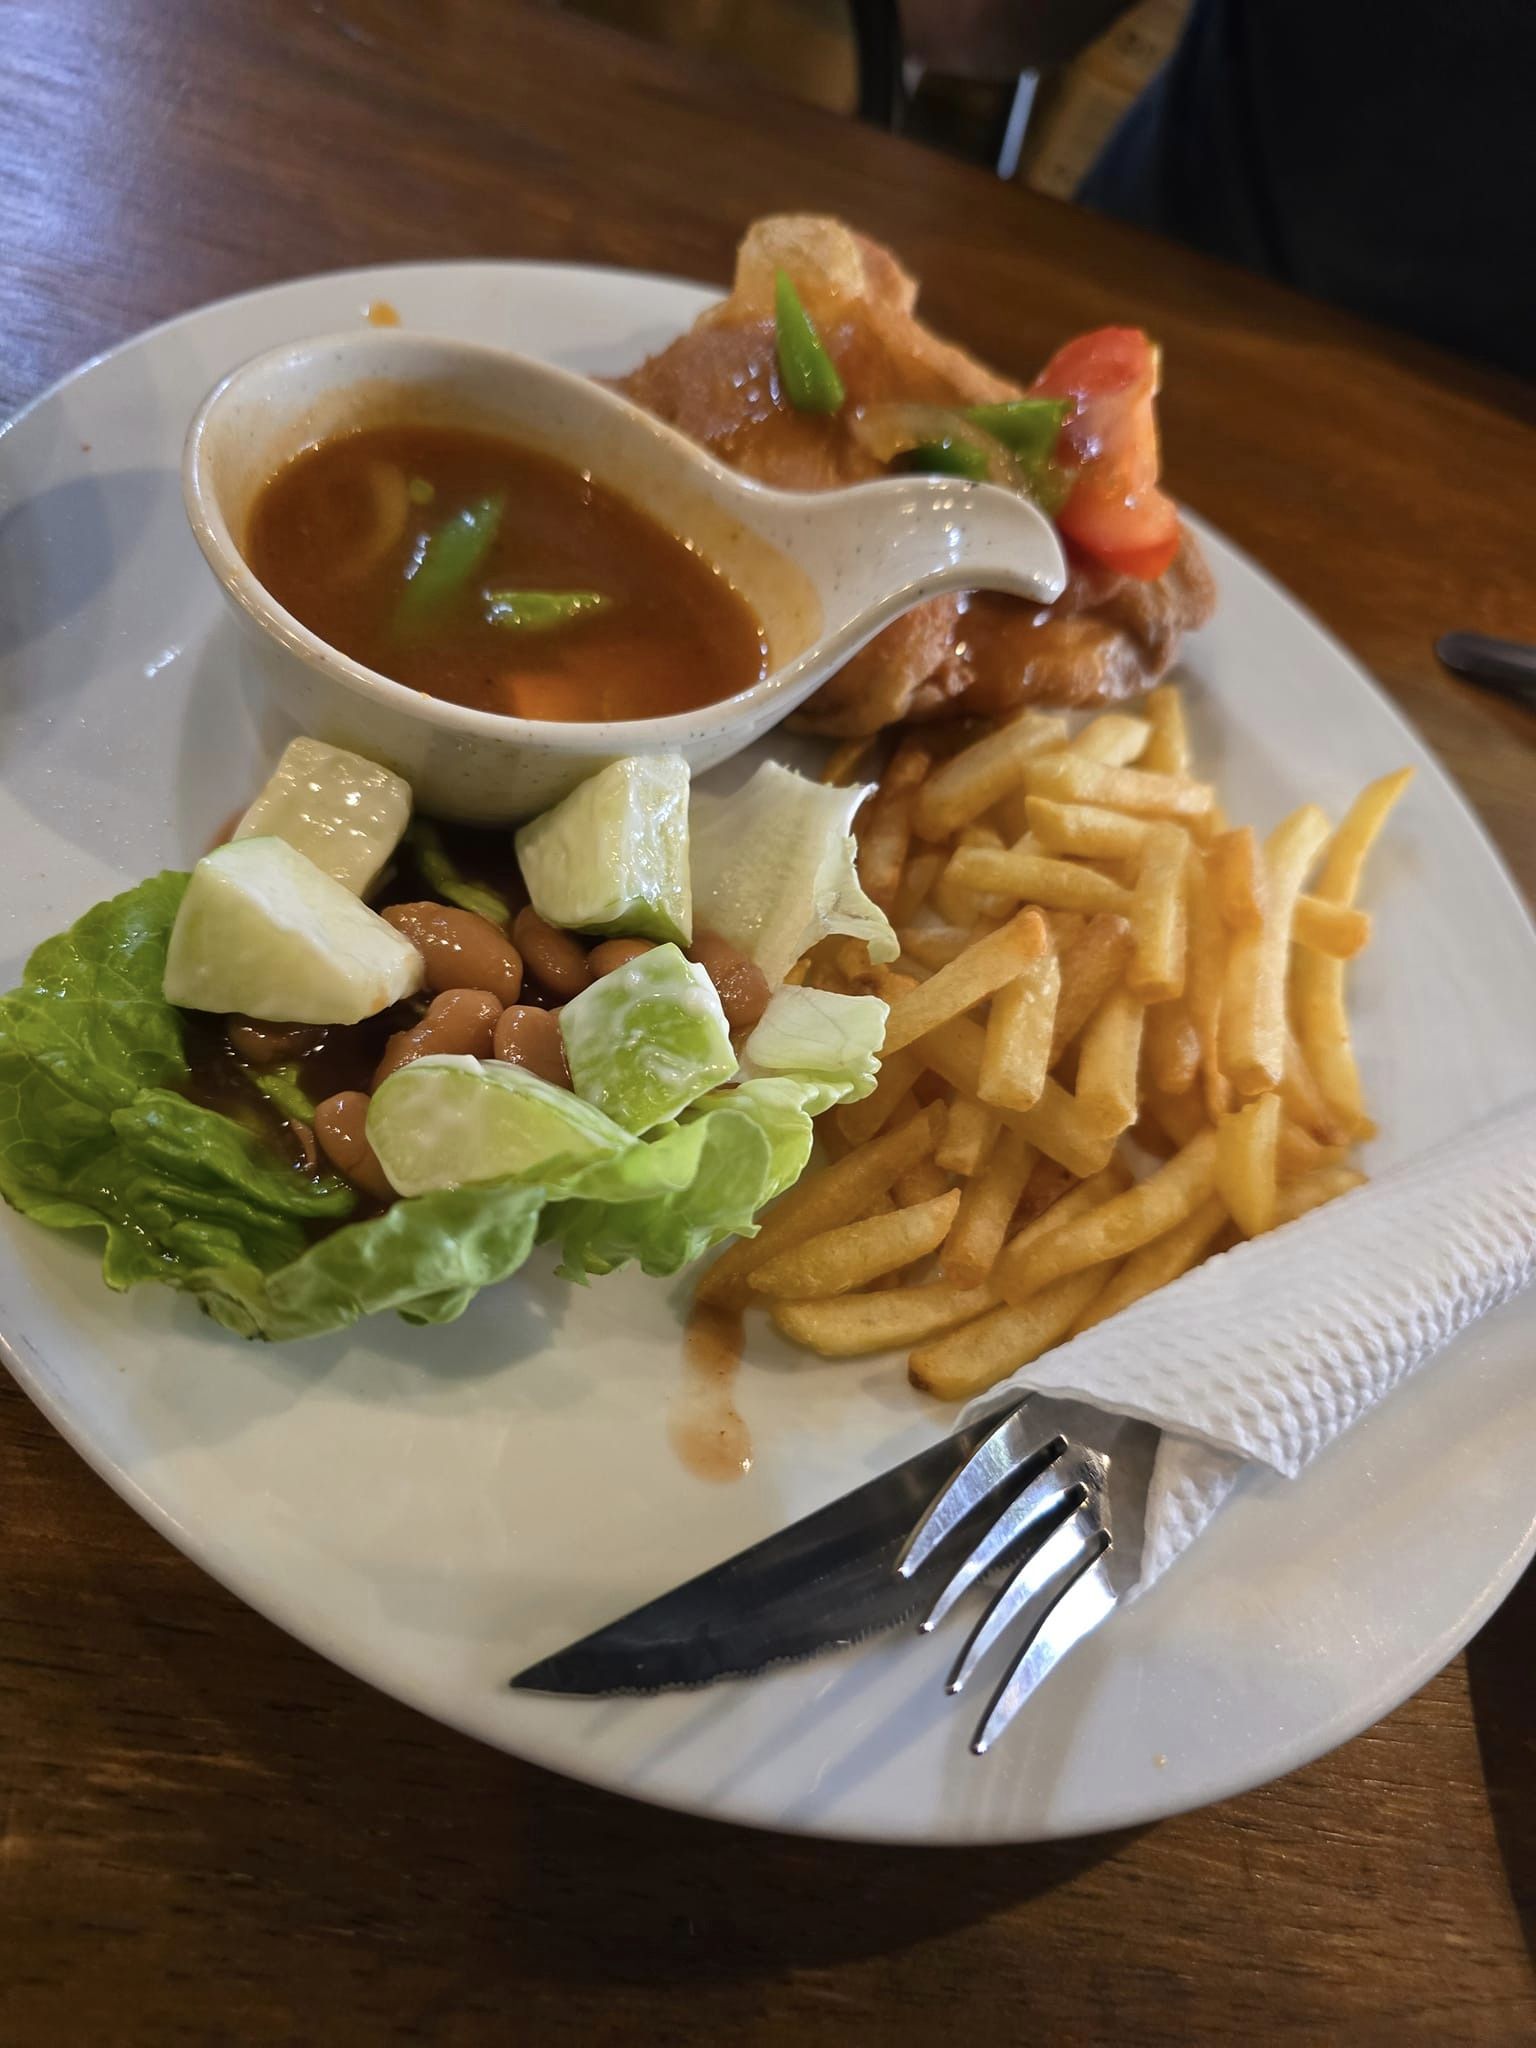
x=434 y=1509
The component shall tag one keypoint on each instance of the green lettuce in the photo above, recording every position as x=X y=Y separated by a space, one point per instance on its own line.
x=444 y=878
x=700 y=1182
x=95 y=1135
x=814 y=1034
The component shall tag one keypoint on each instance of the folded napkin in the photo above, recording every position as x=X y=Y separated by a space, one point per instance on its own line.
x=1270 y=1351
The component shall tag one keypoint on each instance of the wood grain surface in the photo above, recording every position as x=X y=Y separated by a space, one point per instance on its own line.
x=207 y=1834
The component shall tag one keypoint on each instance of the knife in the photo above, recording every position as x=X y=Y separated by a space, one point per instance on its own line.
x=825 y=1582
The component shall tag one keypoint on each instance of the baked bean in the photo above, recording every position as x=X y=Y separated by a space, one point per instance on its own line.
x=616 y=953
x=554 y=959
x=303 y=1140
x=739 y=982
x=460 y=949
x=461 y=1020
x=341 y=1126
x=265 y=1044
x=530 y=1038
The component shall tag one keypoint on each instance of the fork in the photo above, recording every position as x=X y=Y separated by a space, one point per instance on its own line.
x=1053 y=1537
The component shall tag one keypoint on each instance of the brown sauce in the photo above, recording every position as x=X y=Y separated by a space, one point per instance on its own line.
x=704 y=1426
x=345 y=537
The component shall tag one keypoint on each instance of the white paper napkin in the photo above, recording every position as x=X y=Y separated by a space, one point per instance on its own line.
x=1272 y=1350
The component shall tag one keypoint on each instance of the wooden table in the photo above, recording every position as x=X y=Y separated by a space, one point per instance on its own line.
x=210 y=1835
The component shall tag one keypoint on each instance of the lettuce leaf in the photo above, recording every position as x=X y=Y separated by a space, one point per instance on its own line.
x=700 y=1182
x=444 y=878
x=813 y=1033
x=774 y=869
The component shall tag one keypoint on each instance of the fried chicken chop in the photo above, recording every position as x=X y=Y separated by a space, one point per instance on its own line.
x=1107 y=637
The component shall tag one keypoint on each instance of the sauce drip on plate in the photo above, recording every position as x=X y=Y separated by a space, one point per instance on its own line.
x=707 y=1433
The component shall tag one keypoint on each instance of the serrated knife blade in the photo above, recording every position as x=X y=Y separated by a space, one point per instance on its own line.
x=825 y=1582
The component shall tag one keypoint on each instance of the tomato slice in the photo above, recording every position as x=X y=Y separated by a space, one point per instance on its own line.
x=1116 y=513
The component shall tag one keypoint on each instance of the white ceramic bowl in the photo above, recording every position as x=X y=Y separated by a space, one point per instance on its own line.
x=823 y=571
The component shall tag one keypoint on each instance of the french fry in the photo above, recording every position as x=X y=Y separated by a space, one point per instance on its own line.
x=986 y=1209
x=890 y=985
x=1159 y=916
x=1247 y=1142
x=969 y=1135
x=1010 y=814
x=1253 y=1023
x=854 y=964
x=1090 y=968
x=885 y=823
x=971 y=781
x=1323 y=1184
x=1121 y=1225
x=1112 y=738
x=1336 y=928
x=1303 y=1099
x=837 y=1261
x=1167 y=751
x=1035 y=878
x=842 y=764
x=1237 y=878
x=884 y=833
x=954 y=1051
x=924 y=1182
x=1019 y=1027
x=935 y=945
x=1205 y=969
x=859 y=1121
x=967 y=980
x=818 y=1201
x=1109 y=1061
x=923 y=869
x=1046 y=1186
x=1300 y=1153
x=1061 y=1128
x=1317 y=981
x=1358 y=831
x=1069 y=1199
x=1071 y=779
x=979 y=834
x=976 y=1356
x=1086 y=830
x=1156 y=1264
x=850 y=1325
x=1171 y=1047
x=1066 y=927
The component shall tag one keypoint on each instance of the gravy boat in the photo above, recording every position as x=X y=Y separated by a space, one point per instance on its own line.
x=823 y=571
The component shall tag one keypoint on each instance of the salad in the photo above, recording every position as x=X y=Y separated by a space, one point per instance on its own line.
x=334 y=1070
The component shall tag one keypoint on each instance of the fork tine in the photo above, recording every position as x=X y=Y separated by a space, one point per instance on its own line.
x=1034 y=1577
x=998 y=1458
x=1085 y=1601
x=1020 y=1516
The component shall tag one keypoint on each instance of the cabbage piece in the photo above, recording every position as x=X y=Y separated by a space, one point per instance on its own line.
x=613 y=855
x=262 y=930
x=816 y=1035
x=341 y=811
x=451 y=1121
x=646 y=1040
x=774 y=869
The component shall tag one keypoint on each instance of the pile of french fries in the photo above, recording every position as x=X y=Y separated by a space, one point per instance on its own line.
x=1117 y=1043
